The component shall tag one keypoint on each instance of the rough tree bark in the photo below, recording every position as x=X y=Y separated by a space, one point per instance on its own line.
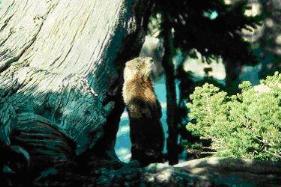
x=172 y=141
x=60 y=64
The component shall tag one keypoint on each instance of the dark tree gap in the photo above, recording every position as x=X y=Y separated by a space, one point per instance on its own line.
x=172 y=145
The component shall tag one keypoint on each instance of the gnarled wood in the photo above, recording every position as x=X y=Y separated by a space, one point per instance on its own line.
x=58 y=61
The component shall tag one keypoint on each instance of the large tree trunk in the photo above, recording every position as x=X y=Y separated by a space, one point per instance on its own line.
x=60 y=69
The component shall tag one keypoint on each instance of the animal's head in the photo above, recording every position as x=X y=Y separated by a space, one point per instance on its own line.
x=140 y=67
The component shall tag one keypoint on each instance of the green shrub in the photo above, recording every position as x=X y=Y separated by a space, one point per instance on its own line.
x=246 y=125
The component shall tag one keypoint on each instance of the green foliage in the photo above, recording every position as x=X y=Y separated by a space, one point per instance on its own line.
x=246 y=125
x=211 y=27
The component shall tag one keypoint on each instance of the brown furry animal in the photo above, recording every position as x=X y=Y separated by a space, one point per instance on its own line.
x=144 y=110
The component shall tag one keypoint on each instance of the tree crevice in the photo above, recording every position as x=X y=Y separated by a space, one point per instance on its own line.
x=15 y=58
